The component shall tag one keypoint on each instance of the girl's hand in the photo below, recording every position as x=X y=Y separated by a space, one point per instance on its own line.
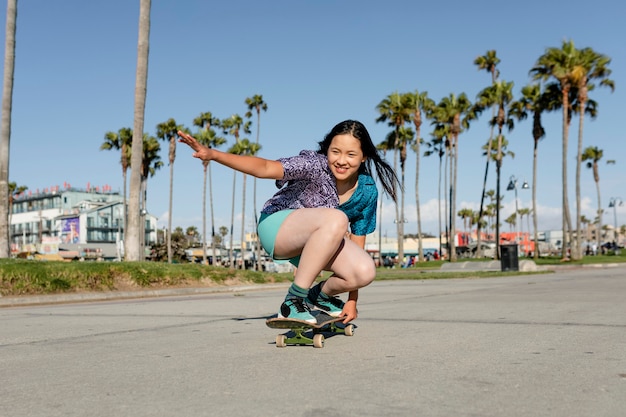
x=349 y=311
x=201 y=152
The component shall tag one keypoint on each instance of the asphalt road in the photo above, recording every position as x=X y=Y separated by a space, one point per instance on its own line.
x=542 y=345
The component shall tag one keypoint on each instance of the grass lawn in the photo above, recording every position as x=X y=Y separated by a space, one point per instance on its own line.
x=31 y=277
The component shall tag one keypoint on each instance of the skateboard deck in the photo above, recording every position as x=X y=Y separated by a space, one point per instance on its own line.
x=300 y=329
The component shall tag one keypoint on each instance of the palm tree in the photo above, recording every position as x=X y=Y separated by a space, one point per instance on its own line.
x=223 y=232
x=593 y=154
x=441 y=143
x=132 y=243
x=490 y=212
x=561 y=64
x=232 y=126
x=592 y=66
x=231 y=259
x=535 y=102
x=192 y=235
x=5 y=128
x=456 y=112
x=257 y=104
x=418 y=103
x=585 y=222
x=436 y=146
x=402 y=139
x=466 y=215
x=121 y=141
x=150 y=163
x=244 y=147
x=511 y=221
x=499 y=94
x=214 y=141
x=208 y=137
x=493 y=153
x=487 y=62
x=605 y=229
x=525 y=211
x=395 y=111
x=167 y=131
x=383 y=147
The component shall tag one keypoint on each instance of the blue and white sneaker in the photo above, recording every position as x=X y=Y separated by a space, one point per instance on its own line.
x=333 y=306
x=296 y=308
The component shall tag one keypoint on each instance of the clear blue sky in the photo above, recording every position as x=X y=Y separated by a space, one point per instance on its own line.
x=315 y=63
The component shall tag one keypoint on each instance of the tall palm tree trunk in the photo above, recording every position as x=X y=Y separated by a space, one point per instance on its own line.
x=214 y=256
x=536 y=234
x=439 y=203
x=243 y=224
x=125 y=209
x=420 y=248
x=132 y=242
x=232 y=222
x=481 y=210
x=204 y=236
x=599 y=240
x=402 y=218
x=257 y=242
x=142 y=217
x=5 y=129
x=498 y=169
x=579 y=153
x=399 y=220
x=446 y=199
x=380 y=225
x=565 y=220
x=417 y=121
x=169 y=218
x=453 y=182
x=596 y=177
x=479 y=250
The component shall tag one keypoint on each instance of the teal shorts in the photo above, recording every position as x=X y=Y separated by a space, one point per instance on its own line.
x=269 y=224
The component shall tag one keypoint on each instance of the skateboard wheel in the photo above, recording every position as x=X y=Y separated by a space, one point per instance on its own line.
x=281 y=340
x=318 y=340
x=349 y=330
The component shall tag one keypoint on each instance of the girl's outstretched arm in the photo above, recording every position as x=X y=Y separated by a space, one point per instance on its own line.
x=252 y=165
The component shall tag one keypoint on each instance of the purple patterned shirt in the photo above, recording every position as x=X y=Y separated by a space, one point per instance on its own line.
x=307 y=183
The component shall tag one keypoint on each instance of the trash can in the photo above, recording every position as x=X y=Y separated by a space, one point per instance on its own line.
x=508 y=258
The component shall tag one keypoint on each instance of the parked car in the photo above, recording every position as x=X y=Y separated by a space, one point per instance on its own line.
x=488 y=249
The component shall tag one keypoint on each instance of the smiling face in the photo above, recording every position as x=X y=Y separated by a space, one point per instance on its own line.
x=345 y=157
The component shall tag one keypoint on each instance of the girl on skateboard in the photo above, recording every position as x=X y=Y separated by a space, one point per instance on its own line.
x=321 y=195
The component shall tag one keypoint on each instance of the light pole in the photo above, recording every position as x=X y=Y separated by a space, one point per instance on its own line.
x=513 y=186
x=614 y=202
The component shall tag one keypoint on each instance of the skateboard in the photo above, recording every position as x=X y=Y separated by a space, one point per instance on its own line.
x=300 y=330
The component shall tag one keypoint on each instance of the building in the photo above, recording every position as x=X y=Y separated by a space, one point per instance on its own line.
x=88 y=222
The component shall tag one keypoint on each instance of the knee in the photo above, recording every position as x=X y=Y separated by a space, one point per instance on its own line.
x=365 y=272
x=336 y=224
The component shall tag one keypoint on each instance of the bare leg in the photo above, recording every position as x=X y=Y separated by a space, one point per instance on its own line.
x=316 y=234
x=352 y=268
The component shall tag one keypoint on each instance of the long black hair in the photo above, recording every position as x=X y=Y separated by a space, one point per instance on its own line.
x=385 y=173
